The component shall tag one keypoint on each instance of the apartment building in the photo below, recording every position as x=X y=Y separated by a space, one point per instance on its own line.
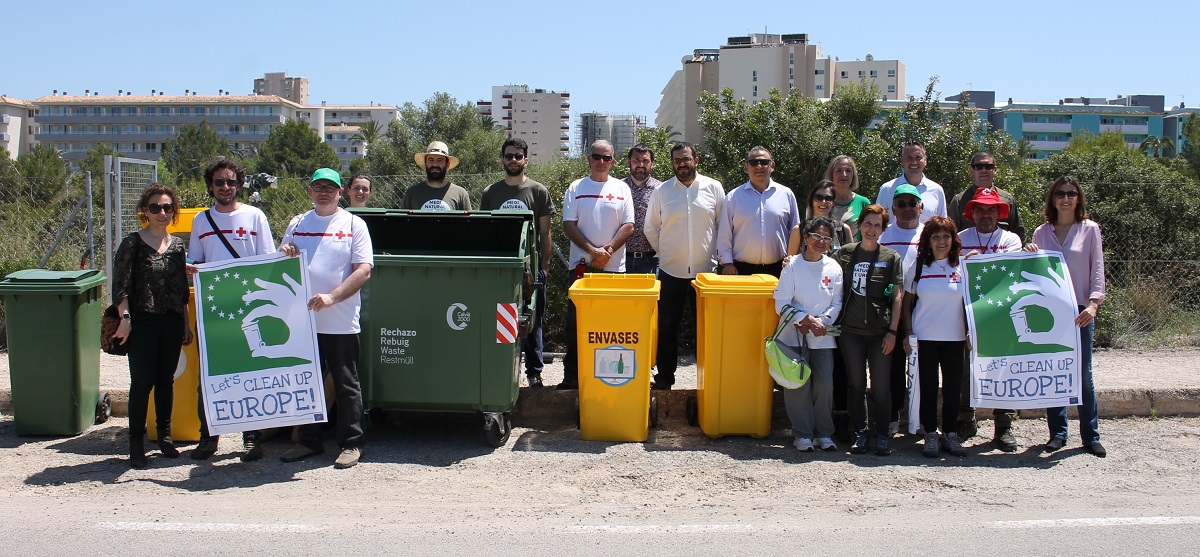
x=1049 y=127
x=618 y=129
x=1173 y=120
x=539 y=116
x=341 y=126
x=294 y=89
x=16 y=125
x=677 y=110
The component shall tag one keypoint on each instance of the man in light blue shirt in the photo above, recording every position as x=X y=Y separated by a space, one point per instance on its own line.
x=933 y=197
x=756 y=220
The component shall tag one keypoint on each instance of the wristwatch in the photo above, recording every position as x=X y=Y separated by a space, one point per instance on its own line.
x=125 y=315
x=608 y=249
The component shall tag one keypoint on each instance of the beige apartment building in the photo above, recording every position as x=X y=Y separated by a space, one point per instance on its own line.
x=16 y=126
x=539 y=116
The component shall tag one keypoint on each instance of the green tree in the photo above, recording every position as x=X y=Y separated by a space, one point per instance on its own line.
x=1152 y=146
x=473 y=140
x=189 y=152
x=368 y=132
x=660 y=141
x=294 y=149
x=43 y=170
x=1190 y=150
x=94 y=161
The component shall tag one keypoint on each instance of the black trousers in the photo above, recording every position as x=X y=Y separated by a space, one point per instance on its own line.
x=154 y=342
x=674 y=295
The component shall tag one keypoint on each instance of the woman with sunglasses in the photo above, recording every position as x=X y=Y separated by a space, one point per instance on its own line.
x=1069 y=230
x=869 y=327
x=821 y=204
x=848 y=205
x=150 y=288
x=936 y=315
x=812 y=283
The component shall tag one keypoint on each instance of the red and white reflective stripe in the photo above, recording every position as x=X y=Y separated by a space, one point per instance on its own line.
x=506 y=323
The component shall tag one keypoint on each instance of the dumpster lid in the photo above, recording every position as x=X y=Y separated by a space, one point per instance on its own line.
x=616 y=286
x=42 y=280
x=448 y=233
x=712 y=284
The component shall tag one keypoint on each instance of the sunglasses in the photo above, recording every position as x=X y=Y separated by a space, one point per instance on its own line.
x=759 y=162
x=519 y=156
x=605 y=158
x=155 y=208
x=1066 y=194
x=822 y=198
x=324 y=188
x=905 y=204
x=221 y=182
x=821 y=238
x=983 y=166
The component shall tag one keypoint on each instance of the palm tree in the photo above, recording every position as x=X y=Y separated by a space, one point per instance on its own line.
x=1167 y=145
x=1151 y=147
x=487 y=122
x=368 y=132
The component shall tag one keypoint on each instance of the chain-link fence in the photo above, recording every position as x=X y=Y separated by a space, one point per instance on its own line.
x=1153 y=300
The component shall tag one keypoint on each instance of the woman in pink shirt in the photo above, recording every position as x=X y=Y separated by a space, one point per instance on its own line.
x=1069 y=230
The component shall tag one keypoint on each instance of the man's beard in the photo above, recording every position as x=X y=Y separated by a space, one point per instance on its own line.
x=640 y=174
x=513 y=170
x=435 y=174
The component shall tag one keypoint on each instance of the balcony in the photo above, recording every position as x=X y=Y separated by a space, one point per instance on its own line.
x=564 y=137
x=1048 y=145
x=565 y=104
x=164 y=119
x=1045 y=127
x=1120 y=128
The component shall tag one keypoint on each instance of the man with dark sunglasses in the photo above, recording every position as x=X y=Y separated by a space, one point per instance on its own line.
x=983 y=176
x=517 y=192
x=756 y=220
x=903 y=236
x=246 y=232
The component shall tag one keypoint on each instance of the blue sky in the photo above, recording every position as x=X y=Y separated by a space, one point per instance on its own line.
x=611 y=57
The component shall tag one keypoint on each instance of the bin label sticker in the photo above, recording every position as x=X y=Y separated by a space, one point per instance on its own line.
x=615 y=365
x=457 y=316
x=506 y=323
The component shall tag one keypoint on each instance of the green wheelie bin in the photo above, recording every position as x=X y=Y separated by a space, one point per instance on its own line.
x=449 y=301
x=53 y=321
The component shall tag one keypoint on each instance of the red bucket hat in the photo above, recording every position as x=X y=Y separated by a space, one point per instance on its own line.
x=985 y=196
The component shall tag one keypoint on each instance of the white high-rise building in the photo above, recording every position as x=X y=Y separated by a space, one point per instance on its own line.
x=16 y=125
x=618 y=129
x=539 y=116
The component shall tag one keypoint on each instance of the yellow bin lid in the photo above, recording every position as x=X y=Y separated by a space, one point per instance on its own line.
x=615 y=286
x=753 y=286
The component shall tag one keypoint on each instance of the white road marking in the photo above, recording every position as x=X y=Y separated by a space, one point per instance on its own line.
x=208 y=527
x=663 y=528
x=1113 y=521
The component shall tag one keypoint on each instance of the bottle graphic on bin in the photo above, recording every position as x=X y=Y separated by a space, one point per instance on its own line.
x=621 y=365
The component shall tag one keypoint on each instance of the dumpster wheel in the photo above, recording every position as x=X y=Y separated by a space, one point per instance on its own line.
x=693 y=411
x=653 y=411
x=497 y=427
x=103 y=408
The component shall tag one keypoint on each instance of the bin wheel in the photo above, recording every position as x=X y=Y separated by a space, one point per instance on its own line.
x=653 y=411
x=498 y=428
x=693 y=411
x=103 y=408
x=578 y=421
x=377 y=416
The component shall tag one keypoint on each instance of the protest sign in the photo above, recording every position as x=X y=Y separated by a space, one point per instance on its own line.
x=1021 y=320
x=259 y=366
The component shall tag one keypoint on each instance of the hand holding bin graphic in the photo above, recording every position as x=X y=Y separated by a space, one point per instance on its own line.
x=284 y=302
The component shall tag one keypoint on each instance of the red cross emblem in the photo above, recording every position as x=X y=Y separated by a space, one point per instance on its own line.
x=340 y=235
x=609 y=197
x=954 y=277
x=825 y=281
x=241 y=231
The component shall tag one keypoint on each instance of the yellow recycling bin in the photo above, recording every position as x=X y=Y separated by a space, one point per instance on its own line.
x=185 y=422
x=617 y=327
x=734 y=390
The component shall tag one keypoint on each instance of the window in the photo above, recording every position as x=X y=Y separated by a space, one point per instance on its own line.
x=328 y=137
x=844 y=74
x=754 y=75
x=820 y=87
x=755 y=93
x=96 y=110
x=130 y=110
x=235 y=128
x=874 y=73
x=151 y=146
x=862 y=73
x=200 y=110
x=891 y=73
x=819 y=72
x=891 y=88
x=184 y=110
x=791 y=57
x=791 y=73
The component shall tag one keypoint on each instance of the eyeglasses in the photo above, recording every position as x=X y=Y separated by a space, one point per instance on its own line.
x=820 y=238
x=599 y=157
x=1066 y=194
x=221 y=182
x=822 y=198
x=519 y=156
x=156 y=208
x=759 y=162
x=905 y=204
x=984 y=166
x=685 y=160
x=325 y=188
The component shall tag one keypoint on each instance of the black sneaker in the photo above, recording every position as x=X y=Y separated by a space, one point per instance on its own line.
x=1054 y=444
x=1097 y=449
x=1005 y=440
x=535 y=382
x=883 y=444
x=860 y=444
x=253 y=451
x=206 y=448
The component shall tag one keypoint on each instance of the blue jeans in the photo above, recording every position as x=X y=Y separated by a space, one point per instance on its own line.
x=810 y=408
x=1089 y=408
x=531 y=345
x=640 y=265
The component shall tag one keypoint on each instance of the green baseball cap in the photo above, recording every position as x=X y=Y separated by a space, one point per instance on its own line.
x=906 y=189
x=327 y=174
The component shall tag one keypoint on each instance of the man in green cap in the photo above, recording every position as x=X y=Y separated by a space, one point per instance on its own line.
x=340 y=258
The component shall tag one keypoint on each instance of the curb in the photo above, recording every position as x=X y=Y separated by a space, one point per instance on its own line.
x=548 y=404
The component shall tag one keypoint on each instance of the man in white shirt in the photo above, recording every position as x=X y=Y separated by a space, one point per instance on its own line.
x=756 y=220
x=903 y=236
x=240 y=231
x=598 y=219
x=933 y=197
x=681 y=225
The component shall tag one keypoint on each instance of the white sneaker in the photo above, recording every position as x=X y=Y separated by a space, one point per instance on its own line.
x=826 y=444
x=803 y=444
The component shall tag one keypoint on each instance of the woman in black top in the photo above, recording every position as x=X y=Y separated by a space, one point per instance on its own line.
x=150 y=288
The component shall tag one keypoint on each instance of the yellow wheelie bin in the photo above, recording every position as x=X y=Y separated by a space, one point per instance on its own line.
x=185 y=420
x=734 y=391
x=617 y=327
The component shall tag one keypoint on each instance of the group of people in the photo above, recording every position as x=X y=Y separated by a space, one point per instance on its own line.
x=863 y=287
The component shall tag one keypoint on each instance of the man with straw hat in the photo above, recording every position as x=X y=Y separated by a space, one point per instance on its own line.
x=436 y=193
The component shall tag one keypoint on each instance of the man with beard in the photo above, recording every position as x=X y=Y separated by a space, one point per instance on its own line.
x=517 y=192
x=756 y=221
x=436 y=193
x=681 y=225
x=639 y=257
x=598 y=219
x=229 y=230
x=983 y=176
x=360 y=190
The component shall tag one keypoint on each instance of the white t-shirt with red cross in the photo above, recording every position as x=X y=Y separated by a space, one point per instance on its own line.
x=996 y=241
x=940 y=313
x=333 y=244
x=245 y=228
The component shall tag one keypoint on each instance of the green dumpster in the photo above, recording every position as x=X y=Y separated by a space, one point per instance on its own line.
x=53 y=321
x=449 y=301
